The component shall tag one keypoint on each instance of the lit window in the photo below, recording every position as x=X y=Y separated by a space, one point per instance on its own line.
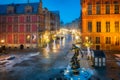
x=108 y=40
x=117 y=26
x=89 y=9
x=117 y=41
x=107 y=9
x=89 y=26
x=98 y=9
x=98 y=29
x=107 y=26
x=116 y=7
x=27 y=38
x=97 y=40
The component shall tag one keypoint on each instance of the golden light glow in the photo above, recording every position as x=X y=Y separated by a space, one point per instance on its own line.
x=47 y=40
x=86 y=38
x=77 y=37
x=88 y=44
x=54 y=47
x=2 y=41
x=46 y=55
x=28 y=36
x=55 y=50
x=54 y=37
x=63 y=43
x=73 y=31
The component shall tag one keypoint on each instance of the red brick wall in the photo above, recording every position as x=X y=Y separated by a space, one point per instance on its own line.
x=9 y=19
x=21 y=38
x=21 y=28
x=34 y=28
x=9 y=28
x=9 y=39
x=34 y=18
x=21 y=19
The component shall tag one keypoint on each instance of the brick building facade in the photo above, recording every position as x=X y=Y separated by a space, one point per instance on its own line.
x=22 y=24
x=101 y=23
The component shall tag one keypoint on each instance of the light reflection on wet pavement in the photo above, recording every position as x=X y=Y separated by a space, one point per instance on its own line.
x=43 y=65
x=37 y=65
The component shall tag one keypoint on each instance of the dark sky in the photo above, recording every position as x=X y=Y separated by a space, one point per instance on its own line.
x=69 y=9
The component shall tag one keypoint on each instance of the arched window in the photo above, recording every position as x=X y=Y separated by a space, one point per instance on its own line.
x=28 y=9
x=10 y=9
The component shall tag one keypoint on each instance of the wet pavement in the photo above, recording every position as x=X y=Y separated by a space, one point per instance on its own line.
x=44 y=64
x=40 y=65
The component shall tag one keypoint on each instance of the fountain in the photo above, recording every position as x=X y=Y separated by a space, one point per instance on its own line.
x=88 y=53
x=88 y=45
x=60 y=41
x=47 y=48
x=63 y=42
x=74 y=71
x=54 y=44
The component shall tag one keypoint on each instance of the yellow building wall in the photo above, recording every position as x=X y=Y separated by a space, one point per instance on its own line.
x=103 y=18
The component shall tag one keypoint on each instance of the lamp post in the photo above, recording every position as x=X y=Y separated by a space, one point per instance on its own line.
x=76 y=38
x=47 y=41
x=2 y=41
x=2 y=45
x=88 y=44
x=54 y=41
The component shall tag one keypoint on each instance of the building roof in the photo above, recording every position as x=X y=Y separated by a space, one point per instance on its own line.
x=98 y=53
x=55 y=13
x=19 y=8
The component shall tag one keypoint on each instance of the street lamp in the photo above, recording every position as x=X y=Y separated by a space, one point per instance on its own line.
x=86 y=38
x=2 y=46
x=88 y=44
x=77 y=37
x=2 y=41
